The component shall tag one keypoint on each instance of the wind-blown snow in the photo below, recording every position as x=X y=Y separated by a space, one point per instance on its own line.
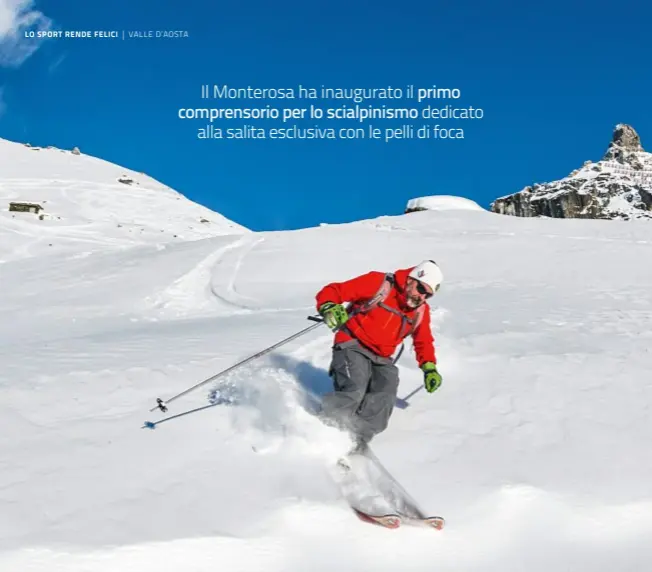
x=535 y=449
x=86 y=206
x=443 y=203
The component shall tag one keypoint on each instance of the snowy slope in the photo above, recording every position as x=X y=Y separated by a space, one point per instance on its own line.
x=535 y=449
x=86 y=206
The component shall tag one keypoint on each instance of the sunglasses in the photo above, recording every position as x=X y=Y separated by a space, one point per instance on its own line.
x=421 y=289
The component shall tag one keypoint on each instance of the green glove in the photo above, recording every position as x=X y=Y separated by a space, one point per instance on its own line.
x=334 y=315
x=431 y=377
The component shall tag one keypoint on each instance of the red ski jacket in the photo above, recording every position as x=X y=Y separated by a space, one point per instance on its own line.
x=380 y=330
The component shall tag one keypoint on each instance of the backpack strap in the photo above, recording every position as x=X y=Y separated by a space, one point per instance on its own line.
x=378 y=299
x=381 y=294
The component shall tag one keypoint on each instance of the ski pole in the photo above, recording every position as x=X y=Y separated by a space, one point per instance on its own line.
x=162 y=405
x=402 y=403
x=152 y=425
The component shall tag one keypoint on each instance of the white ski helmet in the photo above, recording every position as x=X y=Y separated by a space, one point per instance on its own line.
x=429 y=273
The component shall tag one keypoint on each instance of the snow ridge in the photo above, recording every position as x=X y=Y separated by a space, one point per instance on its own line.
x=83 y=204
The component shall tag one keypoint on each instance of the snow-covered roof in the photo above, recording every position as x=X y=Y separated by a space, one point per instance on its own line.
x=443 y=203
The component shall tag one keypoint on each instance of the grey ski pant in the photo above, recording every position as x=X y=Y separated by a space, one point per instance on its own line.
x=365 y=387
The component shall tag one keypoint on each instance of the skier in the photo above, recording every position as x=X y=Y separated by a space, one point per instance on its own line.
x=384 y=309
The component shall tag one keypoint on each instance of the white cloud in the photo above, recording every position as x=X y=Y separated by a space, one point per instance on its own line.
x=16 y=18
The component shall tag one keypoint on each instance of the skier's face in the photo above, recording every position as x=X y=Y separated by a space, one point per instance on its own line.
x=416 y=293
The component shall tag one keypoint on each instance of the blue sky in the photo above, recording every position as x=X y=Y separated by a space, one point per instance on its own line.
x=553 y=80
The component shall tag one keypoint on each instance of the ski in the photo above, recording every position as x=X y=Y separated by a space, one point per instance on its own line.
x=396 y=519
x=387 y=520
x=436 y=522
x=401 y=507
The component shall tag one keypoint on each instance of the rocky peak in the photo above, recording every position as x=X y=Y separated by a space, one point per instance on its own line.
x=626 y=136
x=624 y=146
x=617 y=187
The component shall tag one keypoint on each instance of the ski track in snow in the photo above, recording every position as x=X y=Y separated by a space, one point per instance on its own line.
x=210 y=284
x=225 y=272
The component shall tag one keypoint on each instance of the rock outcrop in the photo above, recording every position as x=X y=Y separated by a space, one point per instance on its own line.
x=619 y=186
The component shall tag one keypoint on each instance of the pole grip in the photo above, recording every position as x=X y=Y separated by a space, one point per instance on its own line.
x=160 y=404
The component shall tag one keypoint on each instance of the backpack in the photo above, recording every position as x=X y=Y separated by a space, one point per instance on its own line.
x=377 y=301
